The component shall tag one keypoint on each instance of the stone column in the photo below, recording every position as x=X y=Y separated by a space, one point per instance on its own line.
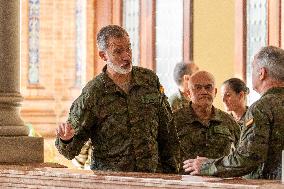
x=15 y=145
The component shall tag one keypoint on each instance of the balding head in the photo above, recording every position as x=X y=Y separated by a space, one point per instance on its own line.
x=202 y=88
x=202 y=77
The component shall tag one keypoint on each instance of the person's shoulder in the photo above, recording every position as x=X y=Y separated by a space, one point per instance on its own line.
x=227 y=120
x=94 y=83
x=174 y=97
x=144 y=72
x=146 y=77
x=224 y=116
x=270 y=98
x=221 y=113
x=263 y=104
x=266 y=106
x=184 y=111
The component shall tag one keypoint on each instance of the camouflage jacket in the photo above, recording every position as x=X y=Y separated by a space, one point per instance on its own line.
x=129 y=132
x=241 y=121
x=261 y=143
x=177 y=101
x=197 y=139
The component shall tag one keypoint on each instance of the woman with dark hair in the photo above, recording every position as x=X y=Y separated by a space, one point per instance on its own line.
x=234 y=93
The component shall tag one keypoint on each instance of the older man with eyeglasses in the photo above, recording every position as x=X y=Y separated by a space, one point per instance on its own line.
x=203 y=130
x=259 y=151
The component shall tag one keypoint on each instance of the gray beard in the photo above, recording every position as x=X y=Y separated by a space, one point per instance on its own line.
x=118 y=69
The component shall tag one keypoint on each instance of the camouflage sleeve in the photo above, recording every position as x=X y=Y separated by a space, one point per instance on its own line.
x=167 y=137
x=236 y=133
x=81 y=119
x=251 y=151
x=174 y=104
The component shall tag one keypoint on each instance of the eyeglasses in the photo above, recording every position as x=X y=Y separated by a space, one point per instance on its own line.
x=198 y=87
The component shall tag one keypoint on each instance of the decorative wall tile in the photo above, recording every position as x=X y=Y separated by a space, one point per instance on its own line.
x=131 y=17
x=257 y=28
x=34 y=15
x=80 y=42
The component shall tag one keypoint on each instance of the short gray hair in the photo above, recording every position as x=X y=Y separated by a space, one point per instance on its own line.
x=181 y=69
x=272 y=58
x=108 y=32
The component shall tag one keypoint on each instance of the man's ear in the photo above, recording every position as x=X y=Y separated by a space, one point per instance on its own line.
x=102 y=54
x=187 y=93
x=215 y=91
x=185 y=82
x=262 y=73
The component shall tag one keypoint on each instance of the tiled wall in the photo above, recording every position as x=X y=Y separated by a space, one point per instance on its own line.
x=47 y=101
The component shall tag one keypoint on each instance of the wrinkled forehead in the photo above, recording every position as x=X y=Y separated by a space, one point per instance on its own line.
x=115 y=42
x=202 y=78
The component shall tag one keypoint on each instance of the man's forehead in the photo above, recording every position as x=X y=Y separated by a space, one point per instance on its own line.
x=202 y=79
x=121 y=41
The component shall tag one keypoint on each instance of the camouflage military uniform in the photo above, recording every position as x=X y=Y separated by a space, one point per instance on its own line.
x=178 y=100
x=242 y=120
x=261 y=143
x=197 y=139
x=129 y=132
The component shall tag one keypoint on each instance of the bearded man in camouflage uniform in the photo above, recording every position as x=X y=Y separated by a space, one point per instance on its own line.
x=204 y=130
x=258 y=154
x=124 y=112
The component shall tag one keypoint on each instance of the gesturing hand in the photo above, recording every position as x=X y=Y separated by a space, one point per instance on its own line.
x=65 y=131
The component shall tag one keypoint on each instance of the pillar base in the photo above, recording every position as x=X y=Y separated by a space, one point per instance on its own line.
x=21 y=149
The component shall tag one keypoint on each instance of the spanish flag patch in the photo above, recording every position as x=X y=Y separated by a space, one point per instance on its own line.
x=162 y=90
x=249 y=122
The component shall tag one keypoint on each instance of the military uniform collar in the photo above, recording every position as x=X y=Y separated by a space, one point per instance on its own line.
x=274 y=90
x=111 y=87
x=136 y=80
x=243 y=116
x=216 y=116
x=181 y=96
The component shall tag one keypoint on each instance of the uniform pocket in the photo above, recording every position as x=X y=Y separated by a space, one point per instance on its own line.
x=150 y=99
x=223 y=131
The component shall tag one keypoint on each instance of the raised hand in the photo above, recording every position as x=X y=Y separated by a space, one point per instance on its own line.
x=65 y=131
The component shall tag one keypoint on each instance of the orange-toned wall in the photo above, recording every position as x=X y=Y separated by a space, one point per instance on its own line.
x=214 y=39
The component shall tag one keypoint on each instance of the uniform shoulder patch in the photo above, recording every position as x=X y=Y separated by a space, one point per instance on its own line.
x=162 y=90
x=249 y=123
